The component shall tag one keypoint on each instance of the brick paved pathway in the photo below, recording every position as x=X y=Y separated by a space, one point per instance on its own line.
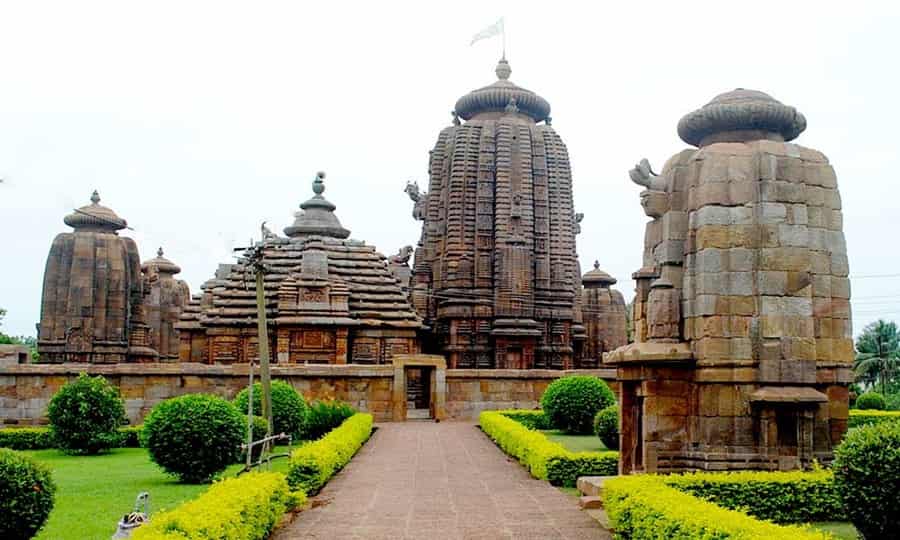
x=447 y=481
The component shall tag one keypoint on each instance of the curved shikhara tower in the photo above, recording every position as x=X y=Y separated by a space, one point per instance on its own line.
x=495 y=272
x=92 y=308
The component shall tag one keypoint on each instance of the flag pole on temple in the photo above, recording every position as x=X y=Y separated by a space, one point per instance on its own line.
x=496 y=29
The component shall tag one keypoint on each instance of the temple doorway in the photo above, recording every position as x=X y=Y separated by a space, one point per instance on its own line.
x=418 y=392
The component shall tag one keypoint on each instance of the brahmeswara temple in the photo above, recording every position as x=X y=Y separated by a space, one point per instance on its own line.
x=740 y=347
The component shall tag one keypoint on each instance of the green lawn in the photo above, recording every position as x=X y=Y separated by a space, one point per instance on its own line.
x=842 y=530
x=93 y=492
x=575 y=443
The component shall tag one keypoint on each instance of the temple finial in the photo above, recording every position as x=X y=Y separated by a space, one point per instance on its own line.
x=95 y=197
x=503 y=70
x=159 y=252
x=318 y=185
x=596 y=265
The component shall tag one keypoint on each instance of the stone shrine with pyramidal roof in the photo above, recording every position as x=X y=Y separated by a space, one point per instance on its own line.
x=329 y=300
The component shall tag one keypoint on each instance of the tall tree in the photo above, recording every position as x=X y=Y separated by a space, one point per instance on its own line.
x=878 y=353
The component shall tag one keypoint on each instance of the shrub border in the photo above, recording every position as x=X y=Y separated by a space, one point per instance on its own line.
x=313 y=464
x=41 y=438
x=646 y=506
x=544 y=459
x=863 y=417
x=244 y=508
x=782 y=497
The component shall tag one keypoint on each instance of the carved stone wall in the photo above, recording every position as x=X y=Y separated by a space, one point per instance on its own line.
x=495 y=272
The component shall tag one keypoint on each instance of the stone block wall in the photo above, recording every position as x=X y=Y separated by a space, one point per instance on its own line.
x=26 y=389
x=470 y=391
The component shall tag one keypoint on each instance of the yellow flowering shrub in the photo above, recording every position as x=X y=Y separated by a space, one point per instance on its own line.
x=313 y=464
x=243 y=508
x=644 y=506
x=545 y=459
x=782 y=497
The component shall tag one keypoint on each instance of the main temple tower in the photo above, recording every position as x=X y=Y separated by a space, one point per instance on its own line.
x=495 y=271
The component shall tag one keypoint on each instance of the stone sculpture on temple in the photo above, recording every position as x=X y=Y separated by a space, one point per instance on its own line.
x=743 y=345
x=92 y=309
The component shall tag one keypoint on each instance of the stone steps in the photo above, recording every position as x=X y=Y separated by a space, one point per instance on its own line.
x=591 y=488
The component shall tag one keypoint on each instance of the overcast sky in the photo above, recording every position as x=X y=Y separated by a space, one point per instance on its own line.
x=197 y=121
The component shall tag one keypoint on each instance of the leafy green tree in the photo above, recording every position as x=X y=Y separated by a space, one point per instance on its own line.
x=878 y=353
x=28 y=341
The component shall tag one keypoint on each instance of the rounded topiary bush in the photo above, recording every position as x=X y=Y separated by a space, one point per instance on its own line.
x=606 y=426
x=288 y=407
x=572 y=402
x=194 y=436
x=85 y=415
x=26 y=495
x=871 y=400
x=867 y=477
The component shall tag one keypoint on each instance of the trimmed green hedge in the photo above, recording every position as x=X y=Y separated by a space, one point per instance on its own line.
x=41 y=438
x=860 y=417
x=131 y=436
x=643 y=506
x=782 y=497
x=532 y=419
x=313 y=464
x=545 y=459
x=26 y=438
x=243 y=508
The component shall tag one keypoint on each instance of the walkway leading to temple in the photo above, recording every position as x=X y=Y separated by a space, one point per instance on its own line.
x=447 y=481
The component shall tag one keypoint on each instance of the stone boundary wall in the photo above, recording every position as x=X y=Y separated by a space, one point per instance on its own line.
x=26 y=389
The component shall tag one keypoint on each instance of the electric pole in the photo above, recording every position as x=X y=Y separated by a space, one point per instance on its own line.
x=253 y=256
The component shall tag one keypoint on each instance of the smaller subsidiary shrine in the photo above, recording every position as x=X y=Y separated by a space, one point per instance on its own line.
x=329 y=299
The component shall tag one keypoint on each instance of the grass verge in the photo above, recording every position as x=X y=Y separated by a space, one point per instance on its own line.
x=95 y=491
x=575 y=443
x=841 y=530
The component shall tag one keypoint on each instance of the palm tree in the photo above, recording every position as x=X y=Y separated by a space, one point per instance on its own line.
x=878 y=353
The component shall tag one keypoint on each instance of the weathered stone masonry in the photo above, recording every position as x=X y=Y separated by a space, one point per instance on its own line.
x=742 y=321
x=25 y=390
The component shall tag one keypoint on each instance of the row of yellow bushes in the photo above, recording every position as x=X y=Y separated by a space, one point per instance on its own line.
x=782 y=497
x=248 y=507
x=41 y=438
x=862 y=417
x=647 y=506
x=313 y=464
x=243 y=508
x=544 y=458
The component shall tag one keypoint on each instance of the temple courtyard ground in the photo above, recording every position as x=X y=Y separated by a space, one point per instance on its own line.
x=447 y=481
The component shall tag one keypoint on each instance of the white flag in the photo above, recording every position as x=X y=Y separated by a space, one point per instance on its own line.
x=493 y=30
